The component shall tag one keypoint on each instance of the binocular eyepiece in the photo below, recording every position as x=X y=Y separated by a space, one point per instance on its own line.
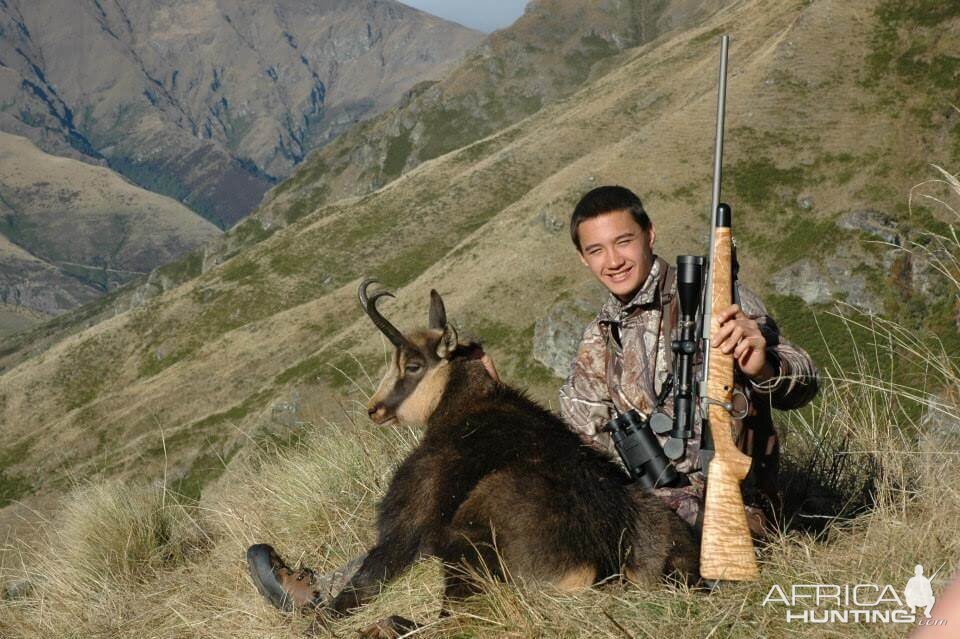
x=640 y=451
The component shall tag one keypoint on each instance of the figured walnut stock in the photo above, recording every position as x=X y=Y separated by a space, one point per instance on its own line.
x=726 y=550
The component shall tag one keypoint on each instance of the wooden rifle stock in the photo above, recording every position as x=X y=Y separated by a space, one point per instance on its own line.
x=726 y=548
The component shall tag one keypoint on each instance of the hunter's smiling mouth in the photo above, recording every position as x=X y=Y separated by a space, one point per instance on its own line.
x=621 y=275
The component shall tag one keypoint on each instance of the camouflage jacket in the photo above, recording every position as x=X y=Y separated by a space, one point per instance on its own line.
x=610 y=376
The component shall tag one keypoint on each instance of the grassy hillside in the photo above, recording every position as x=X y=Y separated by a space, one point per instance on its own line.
x=133 y=560
x=270 y=344
x=204 y=362
x=76 y=231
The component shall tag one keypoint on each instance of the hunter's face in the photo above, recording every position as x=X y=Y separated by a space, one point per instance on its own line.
x=618 y=251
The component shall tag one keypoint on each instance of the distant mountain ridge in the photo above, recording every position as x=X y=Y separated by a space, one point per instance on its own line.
x=209 y=101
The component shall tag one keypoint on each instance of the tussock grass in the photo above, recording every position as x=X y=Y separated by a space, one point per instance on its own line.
x=130 y=561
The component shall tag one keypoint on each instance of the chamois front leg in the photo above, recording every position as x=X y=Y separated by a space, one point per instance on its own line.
x=385 y=561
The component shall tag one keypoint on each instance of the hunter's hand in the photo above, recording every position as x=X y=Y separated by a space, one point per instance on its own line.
x=738 y=334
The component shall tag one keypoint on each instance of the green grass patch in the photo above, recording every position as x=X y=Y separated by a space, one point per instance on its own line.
x=13 y=486
x=311 y=171
x=308 y=369
x=307 y=204
x=709 y=36
x=151 y=365
x=904 y=40
x=757 y=181
x=592 y=49
x=250 y=231
x=398 y=150
x=797 y=237
x=446 y=129
x=240 y=269
x=205 y=468
x=404 y=267
x=823 y=335
x=186 y=267
x=87 y=369
x=519 y=367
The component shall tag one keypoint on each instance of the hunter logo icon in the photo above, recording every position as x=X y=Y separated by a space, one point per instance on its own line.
x=918 y=593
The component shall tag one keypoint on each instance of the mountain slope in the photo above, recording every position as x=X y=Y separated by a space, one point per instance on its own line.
x=180 y=384
x=546 y=54
x=78 y=230
x=211 y=101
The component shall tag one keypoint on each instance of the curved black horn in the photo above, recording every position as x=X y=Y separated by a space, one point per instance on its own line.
x=369 y=304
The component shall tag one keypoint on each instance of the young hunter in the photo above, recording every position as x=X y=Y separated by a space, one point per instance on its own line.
x=625 y=352
x=622 y=361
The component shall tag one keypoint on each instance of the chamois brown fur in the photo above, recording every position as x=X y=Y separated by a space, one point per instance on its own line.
x=495 y=473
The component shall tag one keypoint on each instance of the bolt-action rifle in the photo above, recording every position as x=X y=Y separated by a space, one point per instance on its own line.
x=726 y=548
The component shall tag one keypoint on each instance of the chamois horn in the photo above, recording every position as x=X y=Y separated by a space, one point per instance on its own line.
x=369 y=304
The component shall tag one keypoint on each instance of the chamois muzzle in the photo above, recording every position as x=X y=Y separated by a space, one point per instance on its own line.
x=369 y=304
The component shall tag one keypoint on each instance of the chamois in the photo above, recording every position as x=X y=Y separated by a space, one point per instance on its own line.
x=499 y=484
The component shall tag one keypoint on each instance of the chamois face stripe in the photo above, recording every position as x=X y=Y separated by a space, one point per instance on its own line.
x=420 y=404
x=411 y=395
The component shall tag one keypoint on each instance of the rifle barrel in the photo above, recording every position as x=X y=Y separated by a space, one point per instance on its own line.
x=714 y=204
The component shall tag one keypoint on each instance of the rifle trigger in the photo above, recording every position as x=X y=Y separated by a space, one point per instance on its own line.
x=729 y=407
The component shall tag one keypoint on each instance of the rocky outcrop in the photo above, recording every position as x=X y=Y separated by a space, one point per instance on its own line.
x=875 y=223
x=557 y=334
x=832 y=278
x=881 y=249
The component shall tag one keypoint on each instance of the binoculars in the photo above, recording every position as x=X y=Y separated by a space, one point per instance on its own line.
x=640 y=451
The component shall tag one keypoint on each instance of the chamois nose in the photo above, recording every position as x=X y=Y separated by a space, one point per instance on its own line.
x=377 y=412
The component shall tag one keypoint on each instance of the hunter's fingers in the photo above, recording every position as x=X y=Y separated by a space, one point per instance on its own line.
x=742 y=354
x=728 y=313
x=723 y=331
x=727 y=345
x=746 y=346
x=491 y=369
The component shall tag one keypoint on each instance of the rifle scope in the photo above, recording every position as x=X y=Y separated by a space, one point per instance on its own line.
x=689 y=294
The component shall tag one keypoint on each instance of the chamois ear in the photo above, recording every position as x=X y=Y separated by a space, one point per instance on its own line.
x=438 y=314
x=447 y=343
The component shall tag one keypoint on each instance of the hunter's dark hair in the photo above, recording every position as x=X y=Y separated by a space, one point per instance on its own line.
x=606 y=199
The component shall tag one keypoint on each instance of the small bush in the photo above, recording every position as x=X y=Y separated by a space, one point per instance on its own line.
x=115 y=532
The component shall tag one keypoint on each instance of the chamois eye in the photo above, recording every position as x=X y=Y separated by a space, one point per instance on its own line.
x=413 y=368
